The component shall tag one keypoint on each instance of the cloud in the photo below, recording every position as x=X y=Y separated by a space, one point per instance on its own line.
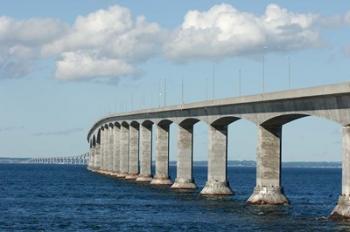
x=21 y=41
x=105 y=43
x=224 y=31
x=347 y=50
x=79 y=66
x=59 y=133
x=10 y=128
x=347 y=18
x=112 y=43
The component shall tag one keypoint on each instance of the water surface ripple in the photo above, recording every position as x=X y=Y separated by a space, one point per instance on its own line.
x=70 y=198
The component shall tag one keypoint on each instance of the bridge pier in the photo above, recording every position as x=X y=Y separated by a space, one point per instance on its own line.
x=342 y=209
x=91 y=166
x=268 y=190
x=133 y=152
x=162 y=159
x=184 y=179
x=116 y=150
x=93 y=157
x=145 y=153
x=124 y=150
x=103 y=150
x=97 y=160
x=110 y=149
x=217 y=183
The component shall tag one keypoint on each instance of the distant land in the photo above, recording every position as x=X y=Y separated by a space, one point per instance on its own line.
x=231 y=163
x=6 y=160
x=251 y=163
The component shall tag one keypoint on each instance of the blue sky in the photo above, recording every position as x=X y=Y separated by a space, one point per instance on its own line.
x=48 y=101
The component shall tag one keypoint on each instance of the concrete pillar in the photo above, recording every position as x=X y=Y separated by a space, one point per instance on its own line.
x=103 y=150
x=110 y=149
x=97 y=156
x=145 y=153
x=184 y=179
x=124 y=150
x=217 y=183
x=162 y=159
x=268 y=190
x=91 y=158
x=89 y=165
x=133 y=152
x=342 y=209
x=116 y=150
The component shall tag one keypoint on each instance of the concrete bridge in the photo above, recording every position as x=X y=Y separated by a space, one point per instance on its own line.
x=120 y=144
x=82 y=159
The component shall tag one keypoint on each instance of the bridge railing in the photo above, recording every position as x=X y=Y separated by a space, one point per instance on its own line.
x=82 y=159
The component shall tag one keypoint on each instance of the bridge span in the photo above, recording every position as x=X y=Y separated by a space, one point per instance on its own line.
x=121 y=144
x=73 y=160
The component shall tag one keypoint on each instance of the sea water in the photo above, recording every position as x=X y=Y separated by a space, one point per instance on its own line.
x=71 y=198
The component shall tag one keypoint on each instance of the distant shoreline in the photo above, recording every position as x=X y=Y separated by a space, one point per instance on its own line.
x=230 y=163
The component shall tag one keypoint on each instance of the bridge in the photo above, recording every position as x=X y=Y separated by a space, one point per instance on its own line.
x=82 y=159
x=121 y=144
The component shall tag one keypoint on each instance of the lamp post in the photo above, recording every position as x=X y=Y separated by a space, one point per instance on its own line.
x=240 y=82
x=164 y=91
x=213 y=80
x=263 y=69
x=182 y=90
x=289 y=74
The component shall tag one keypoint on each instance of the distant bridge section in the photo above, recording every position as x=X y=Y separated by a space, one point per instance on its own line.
x=121 y=144
x=82 y=159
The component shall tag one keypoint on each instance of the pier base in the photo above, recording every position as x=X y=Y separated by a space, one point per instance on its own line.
x=141 y=178
x=131 y=177
x=181 y=183
x=122 y=175
x=114 y=174
x=342 y=210
x=161 y=181
x=216 y=188
x=267 y=196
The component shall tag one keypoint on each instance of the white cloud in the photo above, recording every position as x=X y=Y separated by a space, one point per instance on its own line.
x=106 y=43
x=84 y=66
x=224 y=31
x=347 y=50
x=117 y=41
x=112 y=43
x=21 y=41
x=347 y=18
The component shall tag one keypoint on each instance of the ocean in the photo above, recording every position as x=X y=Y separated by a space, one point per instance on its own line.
x=37 y=197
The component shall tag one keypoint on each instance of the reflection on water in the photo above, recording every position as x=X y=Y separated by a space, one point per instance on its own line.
x=68 y=198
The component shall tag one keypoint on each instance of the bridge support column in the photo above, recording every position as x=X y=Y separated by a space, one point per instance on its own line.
x=342 y=210
x=103 y=151
x=110 y=150
x=91 y=158
x=145 y=153
x=184 y=179
x=97 y=160
x=268 y=190
x=133 y=152
x=124 y=150
x=116 y=151
x=217 y=183
x=89 y=166
x=162 y=159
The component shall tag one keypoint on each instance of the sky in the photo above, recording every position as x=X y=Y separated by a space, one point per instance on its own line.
x=65 y=64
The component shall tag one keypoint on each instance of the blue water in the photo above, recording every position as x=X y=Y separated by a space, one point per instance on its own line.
x=70 y=198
